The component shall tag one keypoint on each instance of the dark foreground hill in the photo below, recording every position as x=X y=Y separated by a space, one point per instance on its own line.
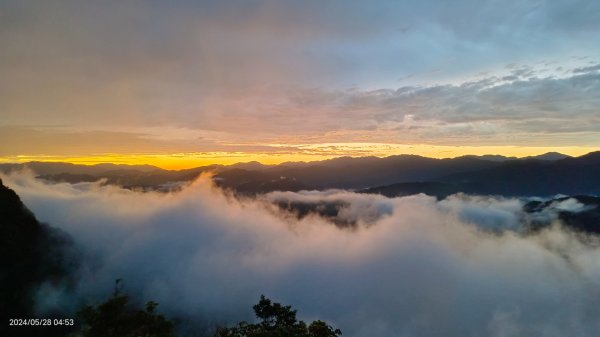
x=31 y=253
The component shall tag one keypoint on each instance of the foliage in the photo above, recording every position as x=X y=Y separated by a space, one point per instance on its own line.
x=277 y=320
x=115 y=318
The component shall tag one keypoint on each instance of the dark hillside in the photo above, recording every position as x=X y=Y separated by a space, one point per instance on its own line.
x=31 y=253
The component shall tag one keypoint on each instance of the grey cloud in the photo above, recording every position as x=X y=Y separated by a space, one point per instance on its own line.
x=587 y=69
x=532 y=106
x=199 y=63
x=486 y=212
x=354 y=209
x=550 y=213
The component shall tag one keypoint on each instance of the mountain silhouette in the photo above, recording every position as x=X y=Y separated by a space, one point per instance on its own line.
x=543 y=175
x=31 y=253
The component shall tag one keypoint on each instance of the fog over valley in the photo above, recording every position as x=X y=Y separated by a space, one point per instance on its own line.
x=371 y=265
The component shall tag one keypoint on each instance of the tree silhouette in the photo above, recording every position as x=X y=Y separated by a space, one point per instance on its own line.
x=277 y=320
x=115 y=318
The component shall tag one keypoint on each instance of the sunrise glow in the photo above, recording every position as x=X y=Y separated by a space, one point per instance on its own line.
x=306 y=153
x=203 y=85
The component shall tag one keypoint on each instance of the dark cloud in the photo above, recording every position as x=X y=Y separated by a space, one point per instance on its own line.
x=147 y=62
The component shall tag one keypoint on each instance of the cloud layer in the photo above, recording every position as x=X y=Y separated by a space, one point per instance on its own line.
x=459 y=267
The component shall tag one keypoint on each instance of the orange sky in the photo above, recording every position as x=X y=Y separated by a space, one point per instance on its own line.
x=310 y=152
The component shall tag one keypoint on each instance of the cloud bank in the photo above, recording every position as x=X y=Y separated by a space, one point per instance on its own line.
x=278 y=72
x=458 y=267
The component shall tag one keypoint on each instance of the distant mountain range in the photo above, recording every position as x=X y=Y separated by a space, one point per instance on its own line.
x=525 y=177
x=545 y=156
x=544 y=175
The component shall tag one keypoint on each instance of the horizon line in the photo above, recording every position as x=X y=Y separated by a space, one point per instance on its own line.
x=122 y=159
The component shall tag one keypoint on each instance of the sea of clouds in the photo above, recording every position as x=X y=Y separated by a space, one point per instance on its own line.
x=409 y=266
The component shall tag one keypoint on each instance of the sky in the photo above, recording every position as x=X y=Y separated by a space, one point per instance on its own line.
x=184 y=83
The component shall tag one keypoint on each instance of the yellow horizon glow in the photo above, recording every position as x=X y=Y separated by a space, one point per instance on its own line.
x=305 y=153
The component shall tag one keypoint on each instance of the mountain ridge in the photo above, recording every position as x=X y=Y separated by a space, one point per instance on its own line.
x=546 y=174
